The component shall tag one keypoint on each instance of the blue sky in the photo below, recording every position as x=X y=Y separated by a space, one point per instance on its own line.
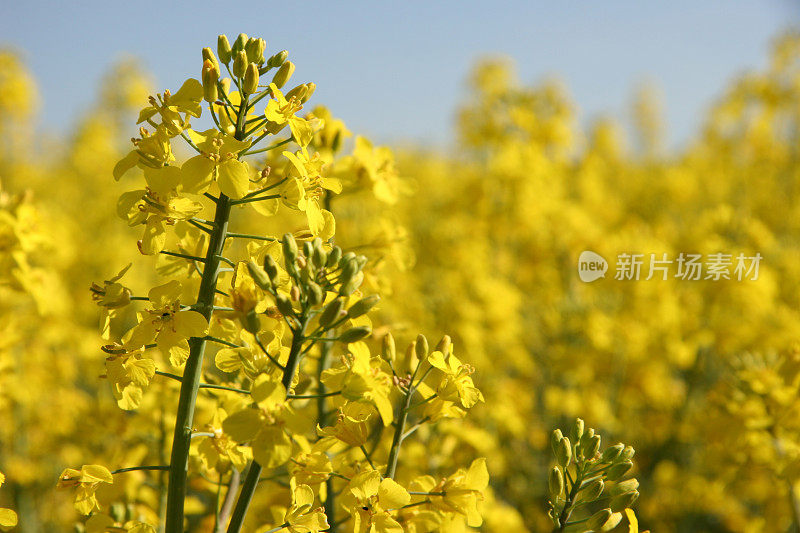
x=397 y=71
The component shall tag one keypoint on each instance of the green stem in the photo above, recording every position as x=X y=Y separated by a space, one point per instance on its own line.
x=399 y=429
x=570 y=503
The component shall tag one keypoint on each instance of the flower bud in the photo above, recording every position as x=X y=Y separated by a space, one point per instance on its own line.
x=555 y=439
x=283 y=74
x=278 y=59
x=259 y=276
x=284 y=305
x=411 y=361
x=310 y=88
x=250 y=85
x=294 y=293
x=251 y=322
x=289 y=248
x=240 y=42
x=623 y=501
x=223 y=49
x=271 y=269
x=577 y=430
x=593 y=447
x=363 y=306
x=598 y=519
x=564 y=452
x=239 y=63
x=623 y=487
x=352 y=284
x=315 y=295
x=618 y=470
x=208 y=55
x=593 y=490
x=586 y=438
x=444 y=345
x=627 y=454
x=331 y=313
x=388 y=349
x=210 y=76
x=255 y=50
x=612 y=522
x=612 y=452
x=355 y=334
x=422 y=347
x=555 y=482
x=333 y=257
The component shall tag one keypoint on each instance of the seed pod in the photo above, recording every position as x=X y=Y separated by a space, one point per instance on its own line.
x=331 y=313
x=250 y=84
x=355 y=334
x=598 y=519
x=259 y=276
x=555 y=482
x=223 y=49
x=624 y=501
x=208 y=55
x=555 y=440
x=251 y=322
x=239 y=63
x=315 y=294
x=577 y=430
x=333 y=257
x=388 y=349
x=363 y=306
x=444 y=345
x=239 y=43
x=283 y=75
x=271 y=269
x=289 y=248
x=278 y=59
x=284 y=305
x=612 y=452
x=564 y=452
x=422 y=347
x=255 y=50
x=593 y=490
x=618 y=470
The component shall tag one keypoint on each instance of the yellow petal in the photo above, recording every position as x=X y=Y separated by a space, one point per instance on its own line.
x=392 y=495
x=233 y=178
x=197 y=174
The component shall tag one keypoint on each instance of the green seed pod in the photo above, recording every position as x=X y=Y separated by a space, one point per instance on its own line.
x=577 y=430
x=250 y=84
x=271 y=268
x=363 y=306
x=208 y=55
x=388 y=349
x=355 y=334
x=333 y=257
x=618 y=470
x=252 y=323
x=593 y=490
x=255 y=50
x=564 y=452
x=331 y=313
x=422 y=347
x=623 y=501
x=278 y=59
x=555 y=440
x=612 y=452
x=284 y=305
x=259 y=276
x=289 y=248
x=223 y=49
x=593 y=447
x=239 y=63
x=239 y=43
x=598 y=519
x=623 y=487
x=555 y=482
x=283 y=75
x=444 y=345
